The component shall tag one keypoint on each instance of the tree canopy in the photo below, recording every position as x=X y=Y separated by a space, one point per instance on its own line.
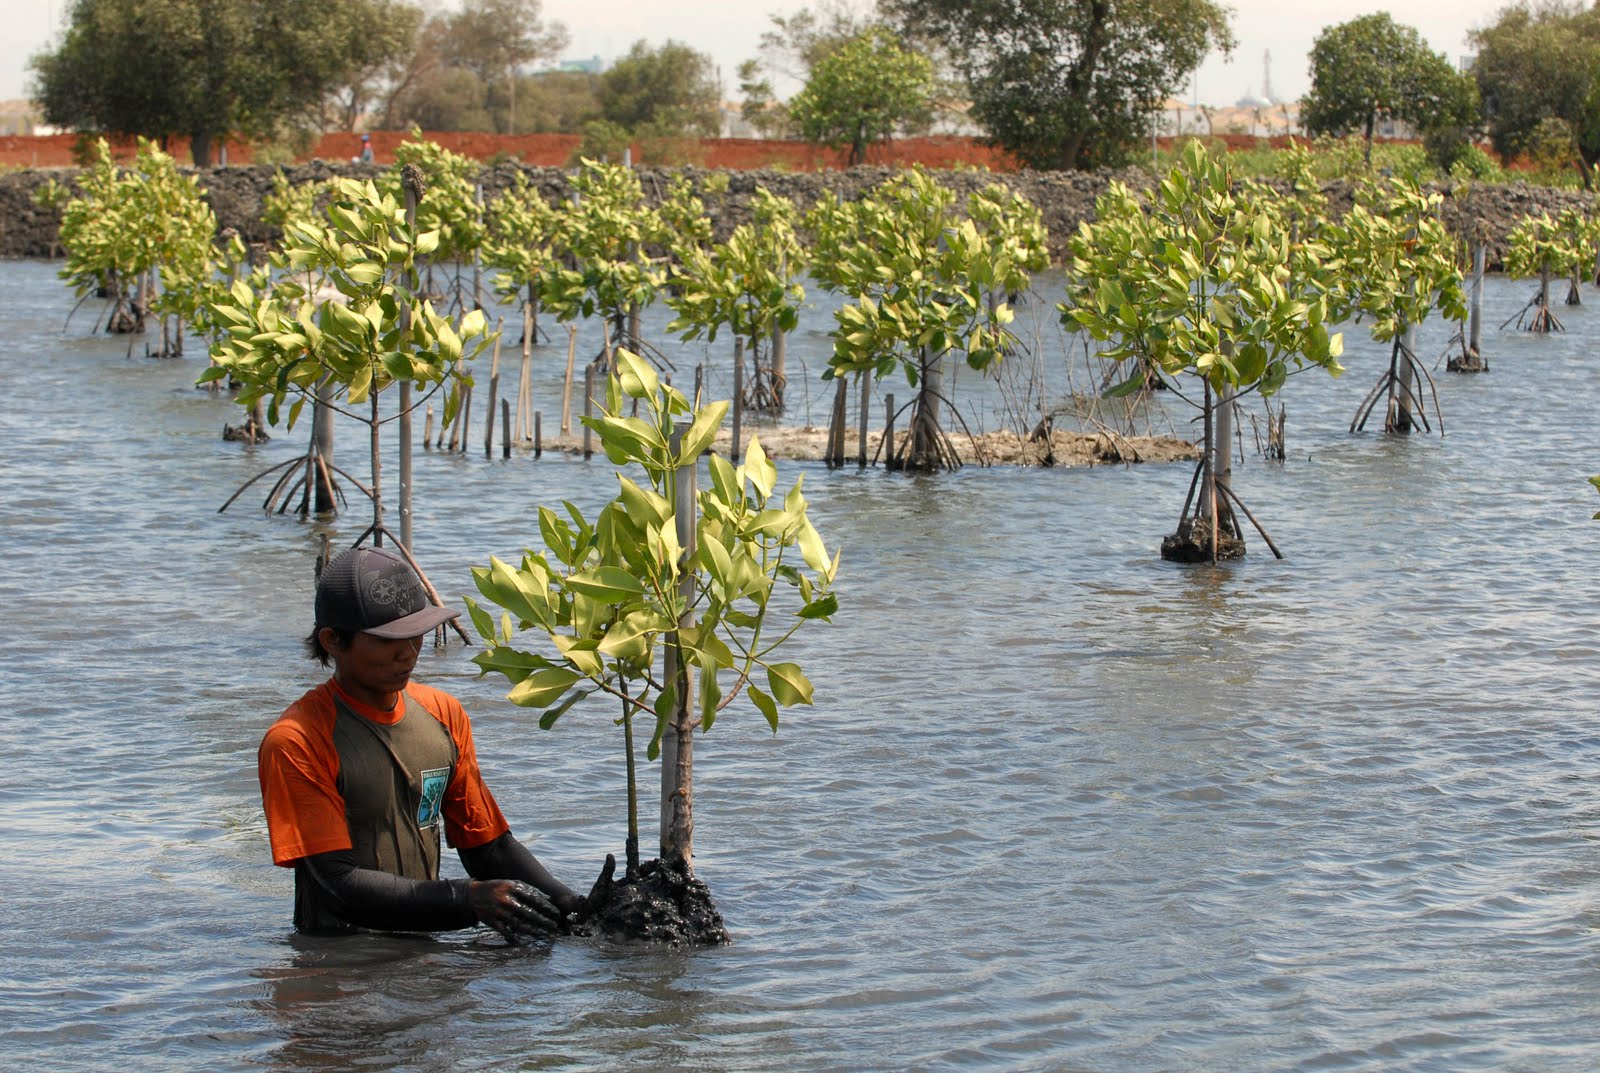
x=672 y=89
x=208 y=68
x=862 y=92
x=1069 y=84
x=1373 y=67
x=1538 y=69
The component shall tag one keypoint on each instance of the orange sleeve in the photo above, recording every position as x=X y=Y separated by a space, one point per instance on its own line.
x=471 y=816
x=299 y=774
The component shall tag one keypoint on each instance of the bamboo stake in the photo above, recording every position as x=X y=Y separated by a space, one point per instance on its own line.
x=861 y=423
x=494 y=388
x=888 y=432
x=738 y=407
x=525 y=393
x=566 y=388
x=588 y=410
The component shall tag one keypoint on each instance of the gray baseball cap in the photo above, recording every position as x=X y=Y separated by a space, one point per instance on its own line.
x=373 y=590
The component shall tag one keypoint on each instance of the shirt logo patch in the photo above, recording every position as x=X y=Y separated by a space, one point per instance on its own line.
x=433 y=784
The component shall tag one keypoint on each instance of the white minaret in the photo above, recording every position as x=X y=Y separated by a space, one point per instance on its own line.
x=1266 y=77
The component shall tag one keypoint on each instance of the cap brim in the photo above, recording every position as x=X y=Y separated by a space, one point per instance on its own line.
x=413 y=625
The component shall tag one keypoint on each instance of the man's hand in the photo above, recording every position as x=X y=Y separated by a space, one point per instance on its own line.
x=514 y=909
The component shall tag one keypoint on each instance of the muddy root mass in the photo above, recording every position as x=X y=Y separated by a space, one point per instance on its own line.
x=663 y=904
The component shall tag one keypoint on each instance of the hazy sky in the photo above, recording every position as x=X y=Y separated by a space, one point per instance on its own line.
x=729 y=30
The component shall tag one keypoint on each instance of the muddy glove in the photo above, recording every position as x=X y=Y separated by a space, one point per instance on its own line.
x=599 y=895
x=514 y=909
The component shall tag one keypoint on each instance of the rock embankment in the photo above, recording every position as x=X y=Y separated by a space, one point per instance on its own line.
x=1489 y=211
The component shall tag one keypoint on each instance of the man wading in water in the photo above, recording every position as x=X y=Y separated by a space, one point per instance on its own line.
x=358 y=774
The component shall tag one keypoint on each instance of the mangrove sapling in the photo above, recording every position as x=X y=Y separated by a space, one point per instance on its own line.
x=920 y=278
x=523 y=235
x=607 y=268
x=751 y=285
x=652 y=607
x=449 y=208
x=1195 y=281
x=286 y=342
x=1397 y=264
x=128 y=223
x=1540 y=246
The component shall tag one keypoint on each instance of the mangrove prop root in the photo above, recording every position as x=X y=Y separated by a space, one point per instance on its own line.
x=1240 y=504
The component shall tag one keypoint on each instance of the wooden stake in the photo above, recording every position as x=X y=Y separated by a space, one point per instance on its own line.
x=566 y=388
x=738 y=407
x=588 y=410
x=888 y=432
x=861 y=425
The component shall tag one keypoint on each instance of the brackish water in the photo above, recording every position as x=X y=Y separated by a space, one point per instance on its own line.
x=1059 y=805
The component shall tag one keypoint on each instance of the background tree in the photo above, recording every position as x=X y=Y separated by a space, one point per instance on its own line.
x=557 y=102
x=788 y=53
x=1372 y=68
x=1538 y=64
x=367 y=86
x=463 y=72
x=1069 y=84
x=494 y=39
x=759 y=104
x=206 y=69
x=798 y=42
x=672 y=89
x=862 y=92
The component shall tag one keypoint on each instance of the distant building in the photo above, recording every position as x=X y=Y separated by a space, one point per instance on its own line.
x=20 y=117
x=594 y=65
x=1252 y=115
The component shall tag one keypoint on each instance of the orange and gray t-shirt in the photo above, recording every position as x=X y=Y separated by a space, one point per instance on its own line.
x=337 y=774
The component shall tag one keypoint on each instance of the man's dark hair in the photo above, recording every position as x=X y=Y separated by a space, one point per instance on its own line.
x=314 y=647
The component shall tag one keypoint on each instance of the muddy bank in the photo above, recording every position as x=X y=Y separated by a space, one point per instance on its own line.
x=1000 y=448
x=1064 y=198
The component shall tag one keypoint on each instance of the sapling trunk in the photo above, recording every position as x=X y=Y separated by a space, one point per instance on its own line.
x=780 y=360
x=322 y=444
x=677 y=746
x=1404 y=397
x=1224 y=445
x=633 y=784
x=375 y=432
x=925 y=433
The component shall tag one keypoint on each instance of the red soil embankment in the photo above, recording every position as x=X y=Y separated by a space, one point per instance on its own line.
x=554 y=150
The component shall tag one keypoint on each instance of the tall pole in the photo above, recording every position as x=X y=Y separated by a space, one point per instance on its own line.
x=1480 y=256
x=411 y=180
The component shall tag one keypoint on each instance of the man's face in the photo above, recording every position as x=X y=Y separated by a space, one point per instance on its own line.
x=371 y=669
